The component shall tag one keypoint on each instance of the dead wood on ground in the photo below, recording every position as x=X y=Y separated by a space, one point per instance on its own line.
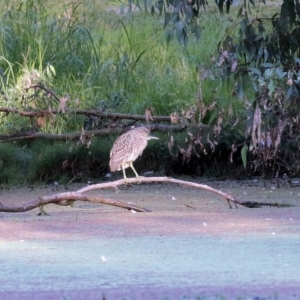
x=67 y=198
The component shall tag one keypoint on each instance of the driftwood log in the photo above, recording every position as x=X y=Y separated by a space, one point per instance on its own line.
x=67 y=198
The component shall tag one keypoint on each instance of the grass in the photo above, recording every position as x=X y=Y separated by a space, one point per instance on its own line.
x=99 y=56
x=14 y=163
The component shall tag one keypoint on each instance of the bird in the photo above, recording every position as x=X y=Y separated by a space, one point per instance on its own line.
x=127 y=148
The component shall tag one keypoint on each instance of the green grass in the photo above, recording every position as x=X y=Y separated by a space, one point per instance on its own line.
x=14 y=163
x=95 y=56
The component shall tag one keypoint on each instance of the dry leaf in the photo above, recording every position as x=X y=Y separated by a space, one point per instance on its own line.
x=247 y=103
x=199 y=94
x=190 y=114
x=148 y=114
x=256 y=126
x=220 y=119
x=198 y=141
x=77 y=102
x=211 y=144
x=203 y=112
x=233 y=149
x=280 y=128
x=41 y=122
x=236 y=122
x=225 y=54
x=65 y=164
x=63 y=102
x=212 y=105
x=217 y=129
x=204 y=75
x=171 y=141
x=223 y=57
x=182 y=151
x=174 y=117
x=268 y=140
x=190 y=135
x=171 y=144
x=189 y=153
x=233 y=65
x=221 y=60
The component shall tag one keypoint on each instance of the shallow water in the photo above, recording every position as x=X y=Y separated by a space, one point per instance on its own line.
x=174 y=252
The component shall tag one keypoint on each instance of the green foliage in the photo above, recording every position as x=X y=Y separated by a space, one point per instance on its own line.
x=265 y=52
x=104 y=62
x=14 y=163
x=63 y=162
x=94 y=56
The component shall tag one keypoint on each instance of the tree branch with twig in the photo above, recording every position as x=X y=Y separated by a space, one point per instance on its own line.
x=67 y=198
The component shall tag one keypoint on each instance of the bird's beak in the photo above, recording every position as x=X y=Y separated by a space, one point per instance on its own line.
x=151 y=137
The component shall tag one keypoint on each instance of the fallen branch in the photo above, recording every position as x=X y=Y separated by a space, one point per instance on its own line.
x=117 y=183
x=69 y=197
x=32 y=135
x=85 y=112
x=65 y=198
x=256 y=204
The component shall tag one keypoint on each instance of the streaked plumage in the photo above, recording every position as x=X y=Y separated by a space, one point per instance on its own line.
x=127 y=148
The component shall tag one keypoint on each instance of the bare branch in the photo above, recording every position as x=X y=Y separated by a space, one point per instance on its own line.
x=117 y=183
x=67 y=197
x=45 y=89
x=86 y=112
x=99 y=132
x=70 y=196
x=77 y=196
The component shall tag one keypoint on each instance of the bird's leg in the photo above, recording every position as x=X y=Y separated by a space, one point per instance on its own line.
x=124 y=174
x=135 y=172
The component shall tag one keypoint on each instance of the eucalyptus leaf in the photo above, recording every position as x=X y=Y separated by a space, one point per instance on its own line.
x=295 y=91
x=254 y=71
x=159 y=5
x=240 y=11
x=280 y=74
x=289 y=92
x=271 y=87
x=269 y=72
x=244 y=155
x=267 y=65
x=258 y=37
x=211 y=76
x=240 y=93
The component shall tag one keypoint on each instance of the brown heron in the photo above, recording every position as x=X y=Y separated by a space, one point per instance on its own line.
x=127 y=148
